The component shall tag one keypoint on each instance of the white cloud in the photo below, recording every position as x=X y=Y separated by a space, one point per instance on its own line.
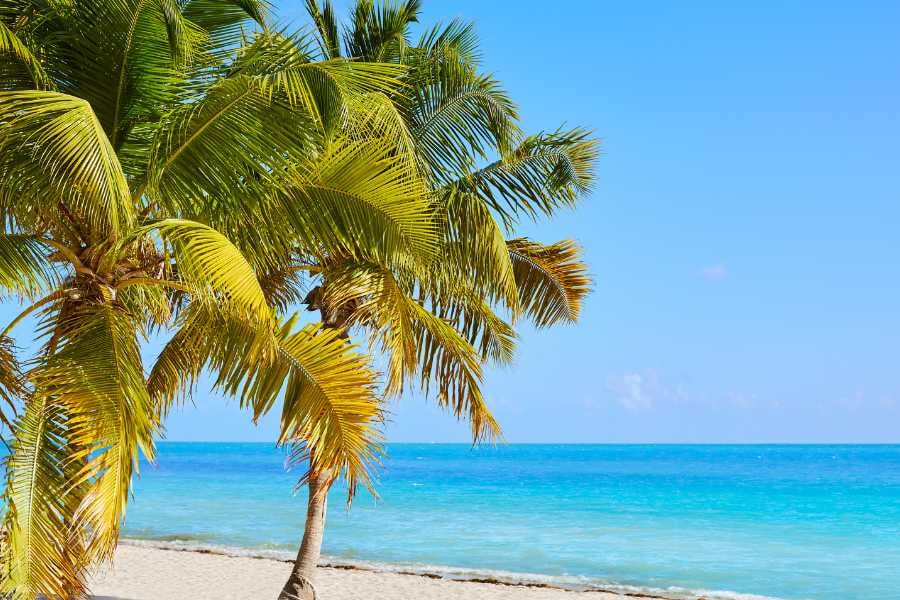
x=634 y=391
x=646 y=390
x=714 y=272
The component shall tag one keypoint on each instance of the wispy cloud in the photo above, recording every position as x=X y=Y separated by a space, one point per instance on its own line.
x=634 y=390
x=714 y=272
x=646 y=390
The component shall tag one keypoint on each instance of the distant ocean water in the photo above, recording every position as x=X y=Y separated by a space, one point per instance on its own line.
x=791 y=522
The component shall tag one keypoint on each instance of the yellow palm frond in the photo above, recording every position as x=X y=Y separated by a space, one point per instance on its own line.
x=330 y=404
x=12 y=382
x=461 y=305
x=475 y=249
x=356 y=198
x=212 y=267
x=54 y=149
x=449 y=363
x=98 y=377
x=43 y=554
x=418 y=343
x=330 y=408
x=551 y=278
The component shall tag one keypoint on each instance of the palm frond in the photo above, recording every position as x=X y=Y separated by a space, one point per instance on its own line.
x=212 y=267
x=474 y=248
x=418 y=343
x=357 y=200
x=284 y=65
x=330 y=403
x=451 y=43
x=226 y=22
x=463 y=306
x=551 y=278
x=325 y=22
x=380 y=32
x=209 y=153
x=13 y=388
x=43 y=554
x=54 y=150
x=381 y=304
x=13 y=47
x=329 y=393
x=459 y=117
x=155 y=40
x=25 y=267
x=544 y=173
x=452 y=366
x=97 y=375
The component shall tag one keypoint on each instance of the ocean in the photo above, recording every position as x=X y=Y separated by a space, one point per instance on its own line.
x=780 y=521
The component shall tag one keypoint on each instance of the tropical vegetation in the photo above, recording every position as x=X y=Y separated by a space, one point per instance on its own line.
x=440 y=327
x=181 y=168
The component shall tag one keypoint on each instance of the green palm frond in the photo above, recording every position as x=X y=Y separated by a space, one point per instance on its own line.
x=223 y=147
x=25 y=267
x=451 y=43
x=381 y=32
x=156 y=40
x=283 y=65
x=11 y=47
x=357 y=200
x=326 y=25
x=543 y=173
x=54 y=150
x=551 y=278
x=458 y=118
x=226 y=22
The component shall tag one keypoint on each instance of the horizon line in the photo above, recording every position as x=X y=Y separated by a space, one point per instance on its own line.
x=486 y=445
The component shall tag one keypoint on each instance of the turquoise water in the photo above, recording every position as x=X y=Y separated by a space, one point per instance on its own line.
x=782 y=521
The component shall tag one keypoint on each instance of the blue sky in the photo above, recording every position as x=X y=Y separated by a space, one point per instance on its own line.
x=743 y=232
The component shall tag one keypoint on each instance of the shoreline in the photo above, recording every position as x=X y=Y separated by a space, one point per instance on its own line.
x=479 y=583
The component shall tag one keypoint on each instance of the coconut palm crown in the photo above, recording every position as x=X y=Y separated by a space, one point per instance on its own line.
x=162 y=164
x=438 y=328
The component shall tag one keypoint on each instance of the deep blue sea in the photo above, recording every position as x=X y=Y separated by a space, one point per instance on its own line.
x=788 y=522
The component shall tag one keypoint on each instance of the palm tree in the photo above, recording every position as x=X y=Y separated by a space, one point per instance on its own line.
x=162 y=165
x=438 y=326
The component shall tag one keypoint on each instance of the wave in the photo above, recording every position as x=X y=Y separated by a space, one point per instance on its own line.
x=192 y=543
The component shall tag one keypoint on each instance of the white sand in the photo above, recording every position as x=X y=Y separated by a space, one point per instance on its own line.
x=144 y=573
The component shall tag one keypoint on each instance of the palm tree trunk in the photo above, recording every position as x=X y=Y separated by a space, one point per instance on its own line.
x=299 y=585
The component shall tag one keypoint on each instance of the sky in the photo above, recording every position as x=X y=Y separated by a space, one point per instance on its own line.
x=743 y=234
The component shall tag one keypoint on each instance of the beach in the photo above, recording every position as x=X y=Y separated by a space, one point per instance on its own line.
x=146 y=573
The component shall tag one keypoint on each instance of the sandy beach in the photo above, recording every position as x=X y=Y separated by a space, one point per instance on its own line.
x=147 y=573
